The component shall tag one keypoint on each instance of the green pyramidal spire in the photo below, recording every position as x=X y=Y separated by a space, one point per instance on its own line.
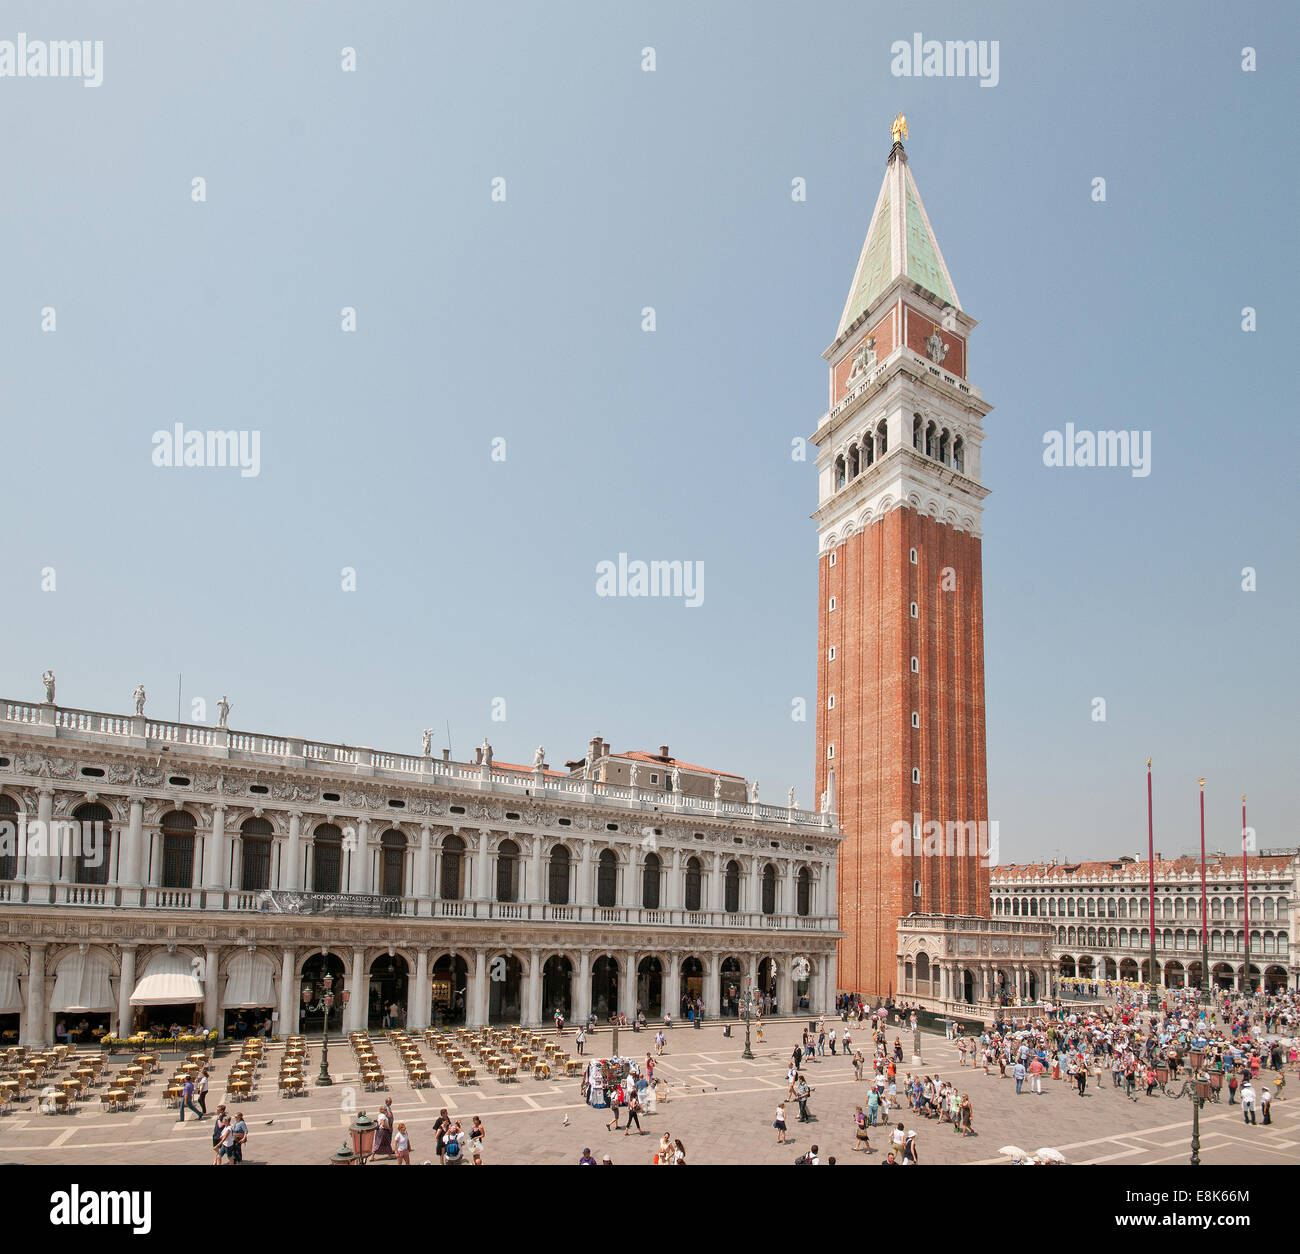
x=900 y=243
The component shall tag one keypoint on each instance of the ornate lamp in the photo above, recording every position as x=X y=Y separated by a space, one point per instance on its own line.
x=327 y=1002
x=363 y=1131
x=343 y=1156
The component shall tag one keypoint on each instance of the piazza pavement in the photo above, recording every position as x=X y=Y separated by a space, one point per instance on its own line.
x=719 y=1105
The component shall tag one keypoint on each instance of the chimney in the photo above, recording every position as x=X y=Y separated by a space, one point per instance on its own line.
x=478 y=756
x=446 y=755
x=593 y=749
x=663 y=752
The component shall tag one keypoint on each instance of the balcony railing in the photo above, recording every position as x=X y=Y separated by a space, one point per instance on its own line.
x=358 y=905
x=222 y=743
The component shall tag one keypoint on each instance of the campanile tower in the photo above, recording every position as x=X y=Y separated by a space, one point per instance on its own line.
x=900 y=638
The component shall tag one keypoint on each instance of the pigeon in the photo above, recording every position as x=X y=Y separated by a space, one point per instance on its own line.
x=566 y=1121
x=269 y=1122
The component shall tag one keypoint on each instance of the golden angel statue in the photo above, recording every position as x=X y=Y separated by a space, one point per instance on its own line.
x=899 y=129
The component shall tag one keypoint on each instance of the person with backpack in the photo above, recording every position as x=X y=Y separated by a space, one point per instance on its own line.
x=616 y=1100
x=802 y=1093
x=809 y=1159
x=453 y=1153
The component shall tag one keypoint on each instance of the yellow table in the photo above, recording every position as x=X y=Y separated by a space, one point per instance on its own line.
x=242 y=1087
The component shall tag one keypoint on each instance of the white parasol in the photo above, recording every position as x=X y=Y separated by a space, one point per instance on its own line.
x=1050 y=1156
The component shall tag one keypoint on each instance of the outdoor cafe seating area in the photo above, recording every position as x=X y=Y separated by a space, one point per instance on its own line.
x=505 y=1052
x=56 y=1078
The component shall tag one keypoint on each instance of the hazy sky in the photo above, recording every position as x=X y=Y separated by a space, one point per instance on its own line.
x=521 y=320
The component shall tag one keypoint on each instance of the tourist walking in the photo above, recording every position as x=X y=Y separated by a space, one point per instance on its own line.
x=201 y=1087
x=802 y=1093
x=634 y=1115
x=1019 y=1072
x=240 y=1129
x=402 y=1146
x=477 y=1134
x=863 y=1137
x=581 y=1039
x=1248 y=1102
x=384 y=1135
x=1265 y=1104
x=187 y=1100
x=778 y=1123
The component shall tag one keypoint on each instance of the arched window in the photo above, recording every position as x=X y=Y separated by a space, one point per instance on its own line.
x=868 y=451
x=8 y=838
x=803 y=892
x=1069 y=907
x=930 y=438
x=853 y=461
x=918 y=433
x=1092 y=908
x=507 y=870
x=922 y=972
x=882 y=438
x=92 y=853
x=1015 y=906
x=327 y=859
x=944 y=441
x=255 y=855
x=959 y=455
x=1110 y=907
x=694 y=878
x=392 y=872
x=452 y=860
x=1033 y=907
x=558 y=886
x=607 y=879
x=731 y=888
x=177 y=849
x=839 y=472
x=650 y=882
x=769 y=889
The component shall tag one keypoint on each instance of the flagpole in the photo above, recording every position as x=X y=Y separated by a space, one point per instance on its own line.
x=1205 y=924
x=1153 y=998
x=1245 y=892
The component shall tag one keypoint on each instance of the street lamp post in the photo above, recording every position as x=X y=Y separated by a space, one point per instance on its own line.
x=1198 y=1088
x=326 y=1002
x=747 y=1013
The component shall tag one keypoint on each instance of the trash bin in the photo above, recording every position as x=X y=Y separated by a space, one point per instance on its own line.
x=698 y=1020
x=812 y=1025
x=726 y=1029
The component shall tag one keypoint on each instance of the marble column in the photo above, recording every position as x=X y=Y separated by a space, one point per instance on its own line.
x=125 y=987
x=712 y=986
x=673 y=984
x=481 y=890
x=215 y=862
x=417 y=1013
x=478 y=998
x=287 y=994
x=292 y=877
x=715 y=899
x=676 y=882
x=627 y=983
x=361 y=861
x=43 y=869
x=582 y=991
x=831 y=990
x=536 y=886
x=359 y=1002
x=212 y=1016
x=35 y=1029
x=532 y=1008
x=133 y=854
x=422 y=859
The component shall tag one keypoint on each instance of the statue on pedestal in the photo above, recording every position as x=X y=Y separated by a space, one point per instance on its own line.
x=487 y=752
x=139 y=696
x=426 y=742
x=48 y=680
x=753 y=796
x=539 y=758
x=717 y=787
x=223 y=712
x=633 y=774
x=677 y=779
x=789 y=798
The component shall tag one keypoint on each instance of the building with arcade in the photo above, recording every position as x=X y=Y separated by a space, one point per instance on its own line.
x=160 y=873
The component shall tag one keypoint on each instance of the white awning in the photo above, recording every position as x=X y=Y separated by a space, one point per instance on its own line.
x=81 y=983
x=250 y=982
x=11 y=1000
x=168 y=981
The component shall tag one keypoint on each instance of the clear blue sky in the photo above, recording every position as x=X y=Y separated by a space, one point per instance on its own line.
x=522 y=320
